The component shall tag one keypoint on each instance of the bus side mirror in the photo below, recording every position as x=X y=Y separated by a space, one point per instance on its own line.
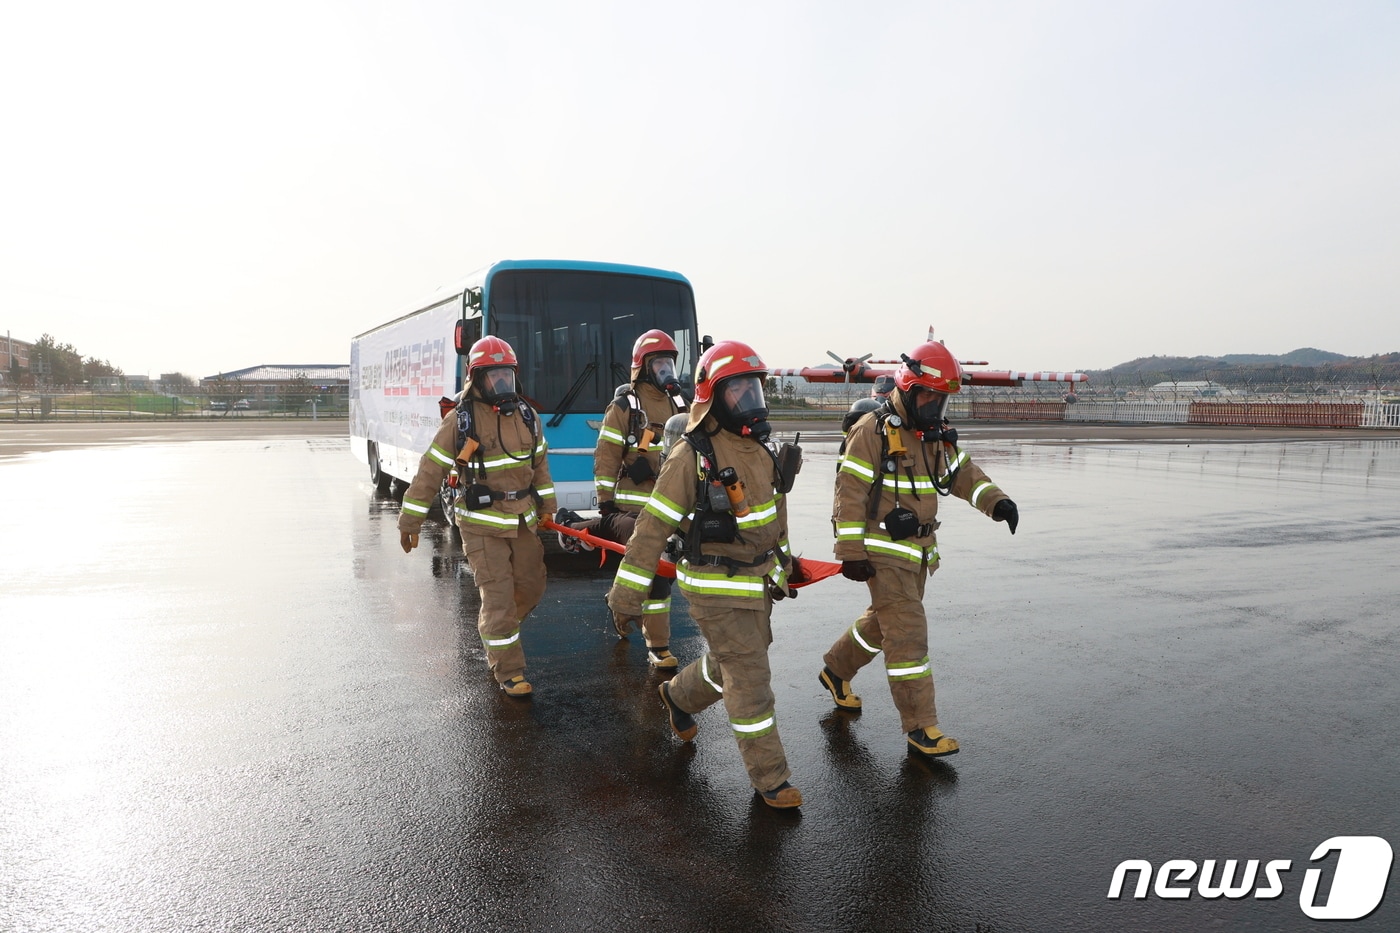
x=467 y=332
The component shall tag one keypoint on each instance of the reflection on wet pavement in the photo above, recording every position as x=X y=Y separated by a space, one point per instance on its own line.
x=229 y=701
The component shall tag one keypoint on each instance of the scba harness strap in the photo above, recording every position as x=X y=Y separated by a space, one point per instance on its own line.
x=466 y=430
x=637 y=423
x=477 y=495
x=891 y=454
x=714 y=521
x=734 y=565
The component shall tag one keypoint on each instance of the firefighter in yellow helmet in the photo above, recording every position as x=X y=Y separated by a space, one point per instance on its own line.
x=626 y=462
x=897 y=462
x=736 y=563
x=492 y=438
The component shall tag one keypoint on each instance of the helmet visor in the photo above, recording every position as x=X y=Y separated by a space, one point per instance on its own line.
x=742 y=399
x=661 y=370
x=497 y=382
x=930 y=407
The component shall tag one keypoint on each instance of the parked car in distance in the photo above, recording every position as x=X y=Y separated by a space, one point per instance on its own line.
x=218 y=405
x=241 y=405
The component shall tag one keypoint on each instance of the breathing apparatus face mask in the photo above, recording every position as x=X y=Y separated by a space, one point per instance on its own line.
x=497 y=385
x=741 y=409
x=661 y=370
x=926 y=408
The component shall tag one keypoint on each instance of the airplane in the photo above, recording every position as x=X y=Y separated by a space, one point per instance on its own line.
x=864 y=369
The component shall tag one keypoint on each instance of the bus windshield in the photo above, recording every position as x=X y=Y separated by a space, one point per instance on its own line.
x=573 y=331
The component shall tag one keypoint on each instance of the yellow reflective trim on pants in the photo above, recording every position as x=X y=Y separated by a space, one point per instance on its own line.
x=753 y=728
x=705 y=673
x=497 y=644
x=855 y=636
x=909 y=670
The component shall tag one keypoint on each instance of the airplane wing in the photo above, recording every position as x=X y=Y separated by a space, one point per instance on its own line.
x=864 y=369
x=971 y=377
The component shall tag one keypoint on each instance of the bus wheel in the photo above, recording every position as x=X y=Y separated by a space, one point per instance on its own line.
x=377 y=476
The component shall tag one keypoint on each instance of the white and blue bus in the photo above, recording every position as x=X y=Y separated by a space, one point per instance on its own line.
x=572 y=325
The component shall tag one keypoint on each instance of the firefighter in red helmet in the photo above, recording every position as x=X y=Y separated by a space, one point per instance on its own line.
x=736 y=562
x=626 y=462
x=895 y=467
x=493 y=441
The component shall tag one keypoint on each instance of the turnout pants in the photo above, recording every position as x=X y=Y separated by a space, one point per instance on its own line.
x=510 y=578
x=736 y=671
x=656 y=608
x=895 y=624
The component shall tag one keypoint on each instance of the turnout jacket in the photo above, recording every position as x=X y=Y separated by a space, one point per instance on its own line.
x=510 y=459
x=614 y=454
x=910 y=484
x=762 y=533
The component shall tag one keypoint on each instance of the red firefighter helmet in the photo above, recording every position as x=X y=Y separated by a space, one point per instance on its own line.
x=490 y=351
x=653 y=341
x=491 y=368
x=930 y=366
x=726 y=358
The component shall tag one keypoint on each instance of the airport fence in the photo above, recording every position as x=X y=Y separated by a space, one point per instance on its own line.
x=1352 y=414
x=1357 y=413
x=99 y=406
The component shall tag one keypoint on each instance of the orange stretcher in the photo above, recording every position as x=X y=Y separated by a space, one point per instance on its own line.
x=814 y=570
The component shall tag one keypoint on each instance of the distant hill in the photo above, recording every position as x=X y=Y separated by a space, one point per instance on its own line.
x=1303 y=365
x=1306 y=356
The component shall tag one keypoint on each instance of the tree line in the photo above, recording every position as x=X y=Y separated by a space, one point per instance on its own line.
x=54 y=363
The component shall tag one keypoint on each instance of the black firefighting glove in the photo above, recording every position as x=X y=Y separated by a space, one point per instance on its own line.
x=608 y=508
x=408 y=541
x=1005 y=511
x=796 y=573
x=857 y=570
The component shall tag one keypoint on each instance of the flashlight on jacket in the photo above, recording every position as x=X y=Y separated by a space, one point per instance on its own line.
x=729 y=478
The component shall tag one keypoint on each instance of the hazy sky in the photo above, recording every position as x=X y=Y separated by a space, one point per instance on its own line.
x=198 y=187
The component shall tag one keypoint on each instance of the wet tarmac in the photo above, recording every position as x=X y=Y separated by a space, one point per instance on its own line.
x=228 y=701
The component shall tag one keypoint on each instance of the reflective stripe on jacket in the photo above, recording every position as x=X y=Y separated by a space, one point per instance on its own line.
x=911 y=485
x=613 y=454
x=507 y=447
x=672 y=506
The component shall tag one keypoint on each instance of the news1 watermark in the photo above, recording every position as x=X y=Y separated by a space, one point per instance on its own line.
x=1358 y=876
